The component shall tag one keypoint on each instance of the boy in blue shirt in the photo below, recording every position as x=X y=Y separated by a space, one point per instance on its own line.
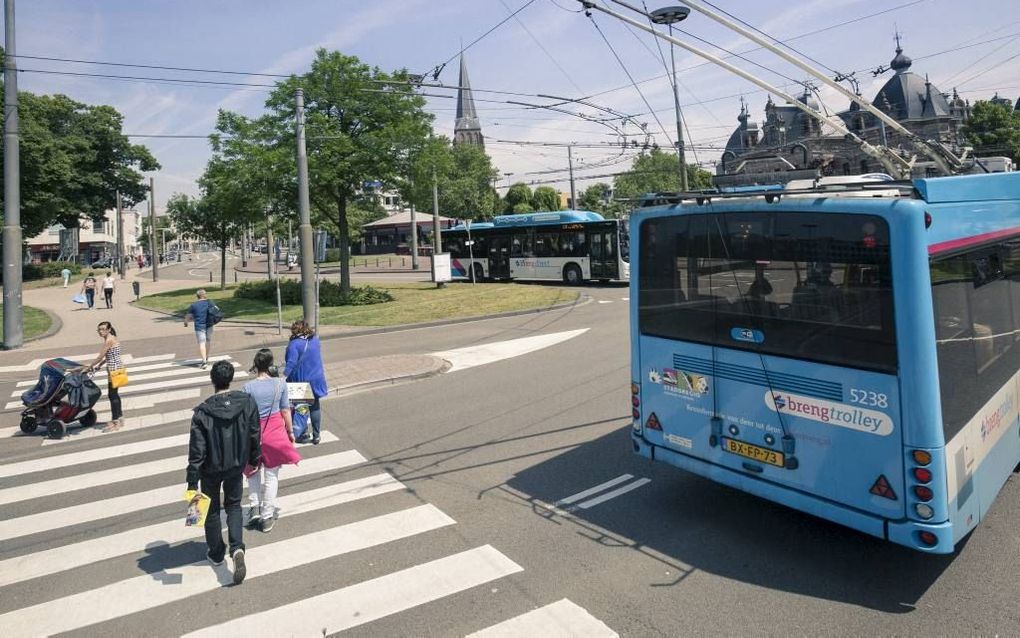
x=199 y=314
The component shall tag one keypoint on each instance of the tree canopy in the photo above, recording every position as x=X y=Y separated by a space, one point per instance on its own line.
x=656 y=171
x=545 y=198
x=74 y=158
x=464 y=175
x=994 y=129
x=518 y=199
x=598 y=197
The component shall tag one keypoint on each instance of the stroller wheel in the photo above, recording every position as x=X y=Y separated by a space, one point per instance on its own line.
x=89 y=420
x=56 y=429
x=28 y=424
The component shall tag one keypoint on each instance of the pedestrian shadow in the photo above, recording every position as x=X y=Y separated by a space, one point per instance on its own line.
x=161 y=556
x=691 y=524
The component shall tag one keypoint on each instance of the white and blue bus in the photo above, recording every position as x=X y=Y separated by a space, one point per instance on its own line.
x=572 y=246
x=851 y=352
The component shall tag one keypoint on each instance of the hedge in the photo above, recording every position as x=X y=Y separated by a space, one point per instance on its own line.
x=329 y=293
x=48 y=269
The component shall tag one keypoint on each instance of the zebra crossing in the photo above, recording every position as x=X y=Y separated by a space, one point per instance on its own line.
x=92 y=540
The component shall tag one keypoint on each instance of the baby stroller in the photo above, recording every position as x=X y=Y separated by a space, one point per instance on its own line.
x=64 y=394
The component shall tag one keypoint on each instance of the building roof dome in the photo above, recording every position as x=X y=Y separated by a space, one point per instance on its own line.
x=909 y=96
x=901 y=63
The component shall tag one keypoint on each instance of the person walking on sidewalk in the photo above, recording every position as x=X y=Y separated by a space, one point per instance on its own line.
x=108 y=285
x=270 y=395
x=88 y=286
x=112 y=356
x=199 y=314
x=303 y=364
x=66 y=274
x=224 y=439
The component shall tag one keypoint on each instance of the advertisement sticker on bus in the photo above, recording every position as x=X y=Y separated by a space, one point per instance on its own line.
x=830 y=413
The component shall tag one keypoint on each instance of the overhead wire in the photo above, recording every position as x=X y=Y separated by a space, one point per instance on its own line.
x=440 y=66
x=542 y=47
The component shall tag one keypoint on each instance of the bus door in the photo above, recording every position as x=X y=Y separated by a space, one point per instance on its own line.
x=763 y=352
x=604 y=253
x=499 y=257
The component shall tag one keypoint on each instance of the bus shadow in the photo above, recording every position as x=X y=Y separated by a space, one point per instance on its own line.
x=690 y=524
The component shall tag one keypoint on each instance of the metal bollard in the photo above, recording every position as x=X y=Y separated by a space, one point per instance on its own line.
x=389 y=260
x=210 y=276
x=235 y=276
x=376 y=262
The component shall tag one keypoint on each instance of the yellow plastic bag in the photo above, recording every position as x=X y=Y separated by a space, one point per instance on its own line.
x=118 y=378
x=198 y=508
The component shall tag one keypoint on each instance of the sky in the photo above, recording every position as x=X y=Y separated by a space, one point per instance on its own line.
x=549 y=48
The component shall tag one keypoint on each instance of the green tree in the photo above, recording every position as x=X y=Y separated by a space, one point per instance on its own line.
x=74 y=158
x=994 y=129
x=598 y=198
x=545 y=198
x=464 y=175
x=656 y=172
x=362 y=124
x=518 y=199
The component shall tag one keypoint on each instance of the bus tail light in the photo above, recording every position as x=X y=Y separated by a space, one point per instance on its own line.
x=922 y=475
x=921 y=457
x=635 y=400
x=924 y=510
x=923 y=493
x=929 y=539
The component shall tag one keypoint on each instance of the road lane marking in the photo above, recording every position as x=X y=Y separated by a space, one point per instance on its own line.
x=611 y=495
x=58 y=559
x=562 y=619
x=118 y=506
x=149 y=591
x=471 y=356
x=594 y=490
x=201 y=378
x=604 y=301
x=101 y=373
x=63 y=485
x=624 y=298
x=35 y=364
x=373 y=599
x=88 y=456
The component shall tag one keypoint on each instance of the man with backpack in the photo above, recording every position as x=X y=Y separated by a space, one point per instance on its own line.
x=204 y=314
x=225 y=438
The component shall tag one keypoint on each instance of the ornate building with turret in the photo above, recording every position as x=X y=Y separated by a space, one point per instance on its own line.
x=467 y=129
x=790 y=143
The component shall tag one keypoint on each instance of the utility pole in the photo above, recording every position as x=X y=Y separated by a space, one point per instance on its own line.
x=414 y=237
x=437 y=234
x=14 y=330
x=309 y=276
x=269 y=245
x=684 y=186
x=153 y=253
x=120 y=238
x=570 y=163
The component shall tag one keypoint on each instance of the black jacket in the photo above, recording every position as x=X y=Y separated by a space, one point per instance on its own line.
x=225 y=436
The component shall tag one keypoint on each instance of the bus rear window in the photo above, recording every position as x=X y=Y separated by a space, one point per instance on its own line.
x=798 y=285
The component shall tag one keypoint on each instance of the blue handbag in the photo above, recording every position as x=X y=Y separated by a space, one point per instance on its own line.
x=299 y=416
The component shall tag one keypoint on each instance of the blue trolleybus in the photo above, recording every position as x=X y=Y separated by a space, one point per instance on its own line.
x=851 y=351
x=572 y=246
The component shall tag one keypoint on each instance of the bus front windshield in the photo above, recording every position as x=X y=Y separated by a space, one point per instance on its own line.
x=803 y=285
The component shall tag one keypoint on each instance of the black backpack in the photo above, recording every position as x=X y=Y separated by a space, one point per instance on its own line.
x=213 y=315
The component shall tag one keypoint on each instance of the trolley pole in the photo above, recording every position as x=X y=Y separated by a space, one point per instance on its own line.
x=14 y=329
x=309 y=273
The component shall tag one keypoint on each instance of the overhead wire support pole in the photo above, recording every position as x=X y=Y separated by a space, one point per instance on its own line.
x=14 y=329
x=890 y=160
x=936 y=155
x=153 y=252
x=570 y=165
x=120 y=238
x=309 y=276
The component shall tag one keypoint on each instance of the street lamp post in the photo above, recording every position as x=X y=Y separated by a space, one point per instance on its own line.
x=670 y=16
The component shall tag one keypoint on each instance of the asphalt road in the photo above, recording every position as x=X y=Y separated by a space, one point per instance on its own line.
x=479 y=453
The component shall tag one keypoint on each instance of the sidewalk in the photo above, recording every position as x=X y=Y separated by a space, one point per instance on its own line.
x=344 y=377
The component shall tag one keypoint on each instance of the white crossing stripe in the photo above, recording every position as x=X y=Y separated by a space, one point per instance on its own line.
x=136 y=422
x=58 y=559
x=604 y=301
x=624 y=298
x=594 y=490
x=159 y=374
x=148 y=591
x=120 y=505
x=201 y=378
x=39 y=489
x=101 y=373
x=83 y=358
x=562 y=619
x=610 y=495
x=373 y=599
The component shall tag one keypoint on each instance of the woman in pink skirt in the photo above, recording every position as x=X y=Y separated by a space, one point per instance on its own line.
x=270 y=395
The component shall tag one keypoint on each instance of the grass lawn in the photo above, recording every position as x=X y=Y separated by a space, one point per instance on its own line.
x=413 y=303
x=36 y=322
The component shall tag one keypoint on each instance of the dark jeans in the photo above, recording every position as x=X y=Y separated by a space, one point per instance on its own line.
x=108 y=294
x=113 y=394
x=315 y=415
x=90 y=296
x=232 y=486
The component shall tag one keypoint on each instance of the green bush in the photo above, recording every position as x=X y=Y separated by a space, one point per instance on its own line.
x=48 y=269
x=332 y=254
x=329 y=293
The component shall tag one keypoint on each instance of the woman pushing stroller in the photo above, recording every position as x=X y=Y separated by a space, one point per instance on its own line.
x=112 y=356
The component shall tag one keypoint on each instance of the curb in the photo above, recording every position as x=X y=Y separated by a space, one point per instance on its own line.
x=56 y=325
x=346 y=390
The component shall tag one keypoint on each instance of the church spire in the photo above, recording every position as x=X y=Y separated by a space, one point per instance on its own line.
x=467 y=129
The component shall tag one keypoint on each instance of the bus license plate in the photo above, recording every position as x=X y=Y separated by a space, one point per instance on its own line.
x=760 y=454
